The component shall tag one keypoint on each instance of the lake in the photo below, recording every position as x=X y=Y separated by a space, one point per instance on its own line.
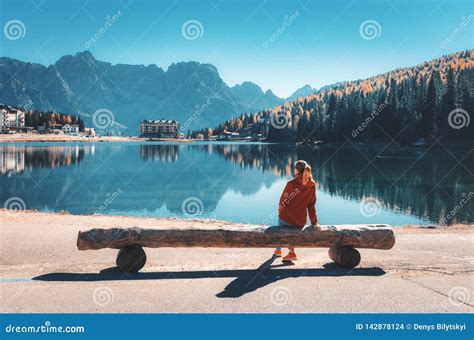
x=239 y=182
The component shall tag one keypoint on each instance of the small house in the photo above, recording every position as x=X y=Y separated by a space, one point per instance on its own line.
x=89 y=132
x=72 y=130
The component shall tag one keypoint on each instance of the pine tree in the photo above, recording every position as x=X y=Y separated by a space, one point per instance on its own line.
x=80 y=122
x=428 y=111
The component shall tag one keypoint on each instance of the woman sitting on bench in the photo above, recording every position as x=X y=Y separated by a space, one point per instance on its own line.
x=297 y=201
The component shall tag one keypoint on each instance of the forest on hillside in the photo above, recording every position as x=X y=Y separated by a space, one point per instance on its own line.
x=36 y=119
x=420 y=104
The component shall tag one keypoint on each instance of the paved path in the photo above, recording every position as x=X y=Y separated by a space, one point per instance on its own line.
x=426 y=271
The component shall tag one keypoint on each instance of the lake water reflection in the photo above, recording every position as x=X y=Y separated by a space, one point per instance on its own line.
x=239 y=182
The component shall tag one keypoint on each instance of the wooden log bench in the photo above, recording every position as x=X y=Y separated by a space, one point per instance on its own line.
x=342 y=240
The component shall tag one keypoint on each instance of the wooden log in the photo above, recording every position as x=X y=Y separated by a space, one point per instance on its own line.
x=131 y=259
x=346 y=257
x=245 y=236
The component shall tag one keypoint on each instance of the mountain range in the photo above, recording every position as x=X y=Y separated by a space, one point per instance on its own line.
x=190 y=92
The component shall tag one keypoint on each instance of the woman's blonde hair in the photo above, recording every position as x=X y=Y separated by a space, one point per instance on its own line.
x=302 y=167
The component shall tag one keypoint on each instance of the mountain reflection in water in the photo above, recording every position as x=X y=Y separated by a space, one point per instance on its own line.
x=238 y=182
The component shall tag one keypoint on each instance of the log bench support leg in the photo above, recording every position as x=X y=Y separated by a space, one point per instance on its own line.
x=346 y=257
x=131 y=259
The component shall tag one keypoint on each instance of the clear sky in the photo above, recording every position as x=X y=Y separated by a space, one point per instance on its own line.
x=312 y=42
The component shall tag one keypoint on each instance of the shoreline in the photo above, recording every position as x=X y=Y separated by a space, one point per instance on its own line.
x=50 y=138
x=149 y=220
x=42 y=271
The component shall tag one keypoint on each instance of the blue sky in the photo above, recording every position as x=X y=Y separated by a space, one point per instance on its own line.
x=321 y=43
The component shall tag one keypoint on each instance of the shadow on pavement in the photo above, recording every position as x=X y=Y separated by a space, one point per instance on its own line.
x=246 y=280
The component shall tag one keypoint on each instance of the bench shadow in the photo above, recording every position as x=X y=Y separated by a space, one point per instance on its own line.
x=246 y=280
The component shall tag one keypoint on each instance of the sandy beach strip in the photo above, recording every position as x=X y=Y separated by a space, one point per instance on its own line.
x=428 y=270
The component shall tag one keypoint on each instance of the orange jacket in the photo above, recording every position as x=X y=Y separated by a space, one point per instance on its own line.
x=296 y=199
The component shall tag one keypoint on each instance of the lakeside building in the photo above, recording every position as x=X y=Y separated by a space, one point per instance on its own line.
x=11 y=119
x=14 y=119
x=226 y=135
x=72 y=130
x=160 y=128
x=54 y=129
x=89 y=132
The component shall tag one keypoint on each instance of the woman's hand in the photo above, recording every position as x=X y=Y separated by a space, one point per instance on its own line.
x=317 y=227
